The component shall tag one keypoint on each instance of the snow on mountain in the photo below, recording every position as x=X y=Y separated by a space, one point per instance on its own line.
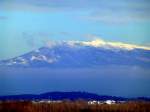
x=42 y=58
x=114 y=45
x=83 y=54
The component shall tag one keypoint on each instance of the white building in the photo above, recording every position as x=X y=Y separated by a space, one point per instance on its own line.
x=109 y=102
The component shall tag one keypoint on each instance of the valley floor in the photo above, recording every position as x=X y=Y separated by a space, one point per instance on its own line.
x=69 y=106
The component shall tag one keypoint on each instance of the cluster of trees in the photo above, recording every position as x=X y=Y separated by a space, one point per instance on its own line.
x=69 y=106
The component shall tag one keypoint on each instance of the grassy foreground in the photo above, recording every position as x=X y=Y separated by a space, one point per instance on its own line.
x=76 y=106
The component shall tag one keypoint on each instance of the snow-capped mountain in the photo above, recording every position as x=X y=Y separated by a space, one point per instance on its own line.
x=83 y=54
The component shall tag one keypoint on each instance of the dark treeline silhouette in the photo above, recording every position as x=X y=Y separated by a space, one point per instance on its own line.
x=69 y=95
x=72 y=106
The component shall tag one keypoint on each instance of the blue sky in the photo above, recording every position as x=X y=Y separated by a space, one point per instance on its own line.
x=28 y=24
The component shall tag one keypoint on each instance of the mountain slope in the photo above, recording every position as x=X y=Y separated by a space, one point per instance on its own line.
x=82 y=54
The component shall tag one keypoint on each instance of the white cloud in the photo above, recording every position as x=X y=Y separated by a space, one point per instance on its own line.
x=98 y=42
x=101 y=43
x=118 y=15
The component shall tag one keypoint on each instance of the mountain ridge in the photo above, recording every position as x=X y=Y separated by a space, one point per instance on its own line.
x=70 y=96
x=81 y=54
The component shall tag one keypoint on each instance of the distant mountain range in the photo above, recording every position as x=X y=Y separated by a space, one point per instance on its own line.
x=119 y=69
x=70 y=96
x=77 y=54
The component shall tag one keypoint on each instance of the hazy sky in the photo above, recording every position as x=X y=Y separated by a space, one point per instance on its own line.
x=28 y=24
